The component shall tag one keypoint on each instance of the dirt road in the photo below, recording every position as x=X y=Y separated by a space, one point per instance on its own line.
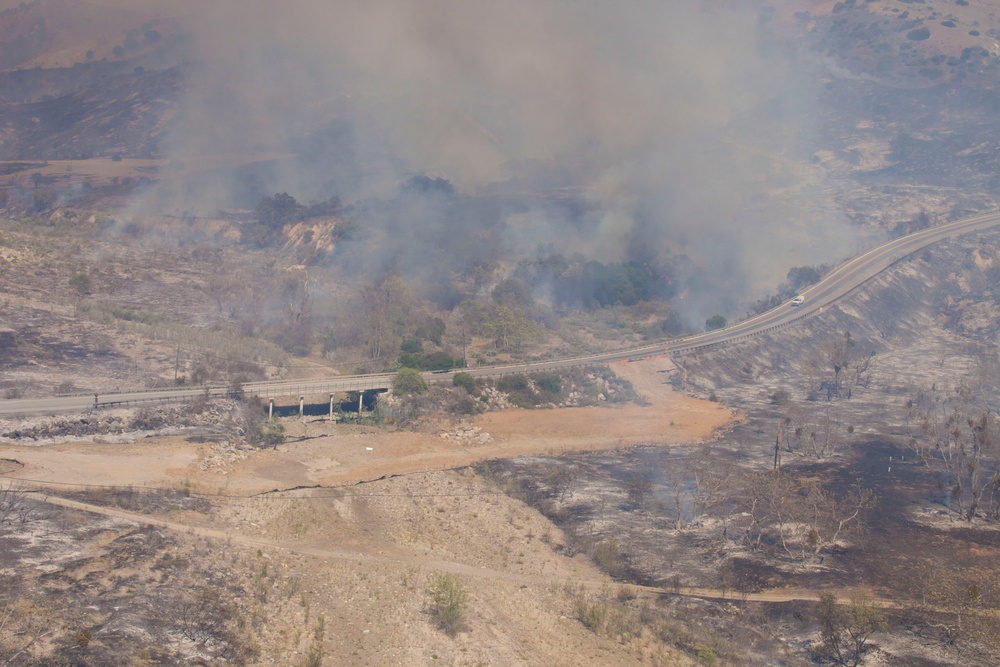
x=777 y=595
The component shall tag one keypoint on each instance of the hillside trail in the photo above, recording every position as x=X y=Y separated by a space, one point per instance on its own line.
x=452 y=567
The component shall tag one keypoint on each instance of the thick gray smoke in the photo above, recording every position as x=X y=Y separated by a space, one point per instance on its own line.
x=681 y=130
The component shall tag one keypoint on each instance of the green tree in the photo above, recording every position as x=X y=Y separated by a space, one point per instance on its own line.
x=465 y=381
x=275 y=211
x=408 y=381
x=715 y=322
x=81 y=282
x=512 y=292
x=383 y=315
x=549 y=382
x=508 y=327
x=272 y=434
x=448 y=601
x=411 y=353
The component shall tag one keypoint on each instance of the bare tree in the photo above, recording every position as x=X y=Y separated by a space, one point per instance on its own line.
x=637 y=488
x=559 y=477
x=846 y=631
x=828 y=518
x=15 y=505
x=765 y=500
x=964 y=436
x=971 y=459
x=383 y=315
x=802 y=518
x=850 y=365
x=824 y=436
x=739 y=575
x=680 y=492
x=710 y=490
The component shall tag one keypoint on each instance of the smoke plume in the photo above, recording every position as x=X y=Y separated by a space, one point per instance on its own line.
x=682 y=129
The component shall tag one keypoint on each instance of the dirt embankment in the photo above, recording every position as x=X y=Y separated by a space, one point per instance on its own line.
x=362 y=556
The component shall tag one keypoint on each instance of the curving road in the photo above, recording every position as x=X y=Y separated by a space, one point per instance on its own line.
x=834 y=285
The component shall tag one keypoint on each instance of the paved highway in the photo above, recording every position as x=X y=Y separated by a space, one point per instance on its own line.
x=833 y=286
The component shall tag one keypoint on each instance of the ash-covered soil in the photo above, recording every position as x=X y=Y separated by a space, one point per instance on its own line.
x=89 y=590
x=667 y=516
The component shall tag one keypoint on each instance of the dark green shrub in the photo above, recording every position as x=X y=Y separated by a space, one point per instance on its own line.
x=465 y=381
x=272 y=434
x=551 y=383
x=513 y=383
x=439 y=361
x=81 y=282
x=715 y=322
x=409 y=381
x=412 y=346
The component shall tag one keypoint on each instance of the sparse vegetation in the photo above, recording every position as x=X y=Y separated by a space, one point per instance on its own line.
x=81 y=283
x=448 y=602
x=15 y=505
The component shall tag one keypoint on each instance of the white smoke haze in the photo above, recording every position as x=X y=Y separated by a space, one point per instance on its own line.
x=465 y=89
x=666 y=116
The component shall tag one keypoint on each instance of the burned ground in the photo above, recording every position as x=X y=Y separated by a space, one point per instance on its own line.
x=667 y=515
x=97 y=591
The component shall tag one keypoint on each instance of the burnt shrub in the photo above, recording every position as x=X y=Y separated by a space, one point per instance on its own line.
x=147 y=419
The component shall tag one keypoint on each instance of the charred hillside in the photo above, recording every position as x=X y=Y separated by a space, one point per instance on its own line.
x=111 y=114
x=932 y=318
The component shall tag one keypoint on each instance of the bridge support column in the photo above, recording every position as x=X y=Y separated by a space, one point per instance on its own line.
x=302 y=407
x=270 y=409
x=361 y=396
x=331 y=407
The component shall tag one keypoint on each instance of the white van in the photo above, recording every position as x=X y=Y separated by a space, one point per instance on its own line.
x=797 y=301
